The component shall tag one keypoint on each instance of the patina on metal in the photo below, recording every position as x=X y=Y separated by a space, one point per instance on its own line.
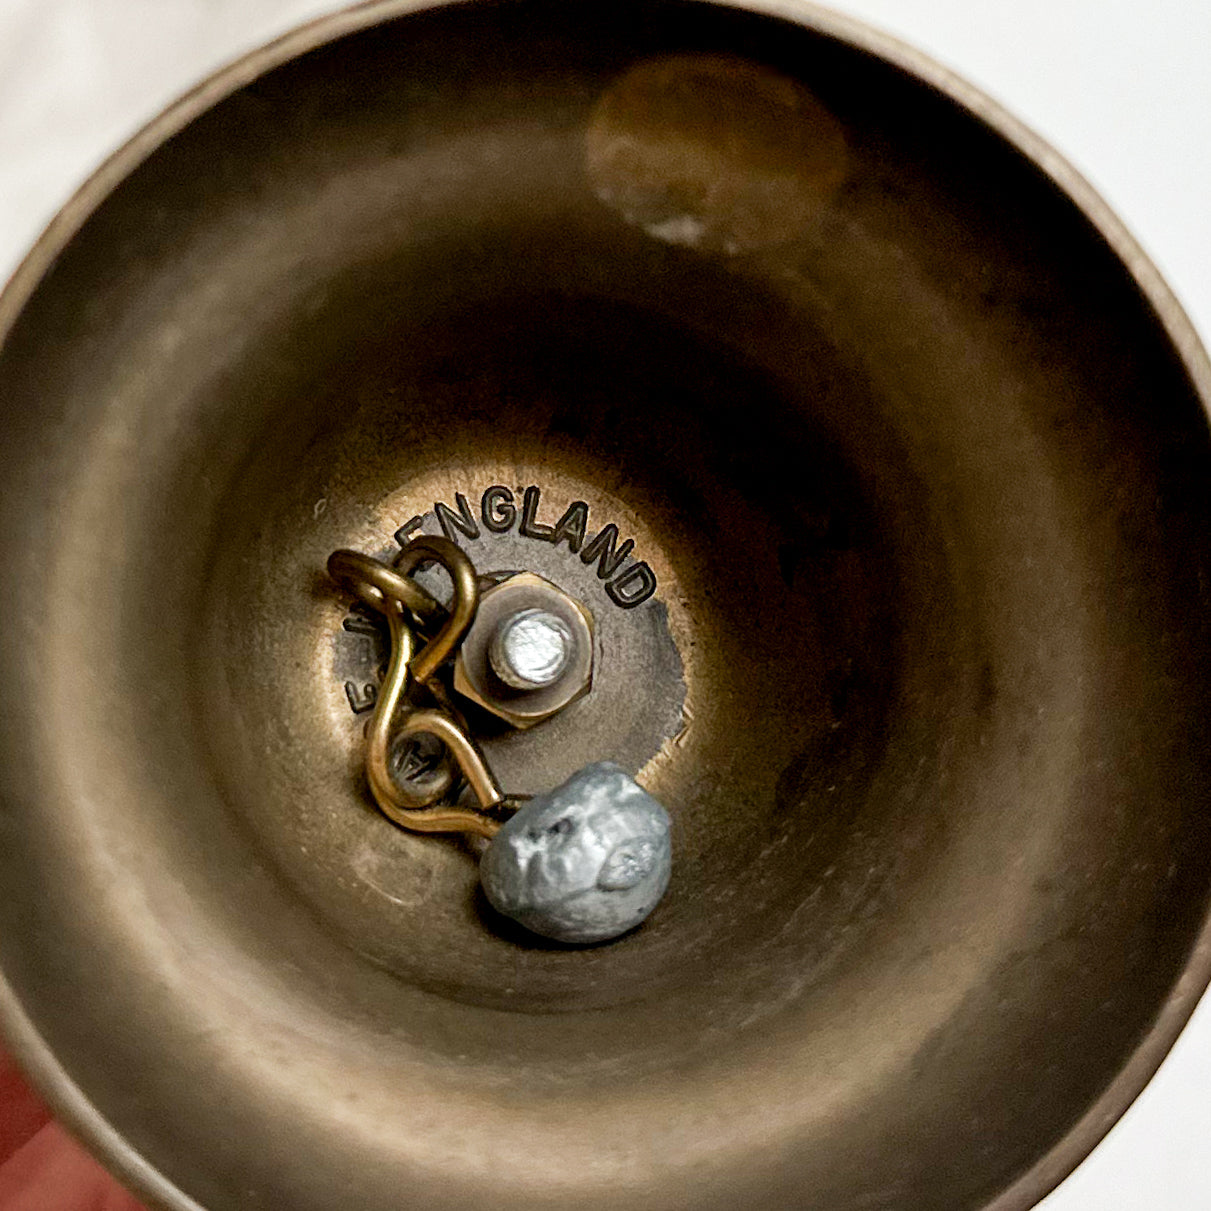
x=910 y=447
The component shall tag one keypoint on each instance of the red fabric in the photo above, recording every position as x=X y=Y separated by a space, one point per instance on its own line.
x=41 y=1167
x=22 y=1114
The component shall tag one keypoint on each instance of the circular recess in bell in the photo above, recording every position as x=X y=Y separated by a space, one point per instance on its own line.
x=877 y=459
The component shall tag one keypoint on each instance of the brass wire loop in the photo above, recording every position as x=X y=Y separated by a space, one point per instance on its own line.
x=395 y=594
x=461 y=570
x=380 y=586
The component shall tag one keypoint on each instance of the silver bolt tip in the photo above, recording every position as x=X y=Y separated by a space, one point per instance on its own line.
x=530 y=649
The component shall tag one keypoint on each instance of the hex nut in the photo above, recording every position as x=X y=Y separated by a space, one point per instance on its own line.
x=474 y=676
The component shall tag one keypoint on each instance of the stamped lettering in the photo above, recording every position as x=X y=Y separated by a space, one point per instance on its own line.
x=601 y=548
x=462 y=521
x=362 y=696
x=628 y=584
x=497 y=509
x=571 y=526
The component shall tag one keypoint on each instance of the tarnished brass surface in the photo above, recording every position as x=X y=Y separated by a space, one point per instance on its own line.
x=912 y=636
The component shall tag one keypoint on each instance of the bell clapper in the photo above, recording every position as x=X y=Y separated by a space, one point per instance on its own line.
x=583 y=863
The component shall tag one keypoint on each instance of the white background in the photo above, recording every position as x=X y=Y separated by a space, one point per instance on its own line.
x=1122 y=89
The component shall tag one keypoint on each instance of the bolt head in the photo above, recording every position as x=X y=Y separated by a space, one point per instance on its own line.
x=530 y=649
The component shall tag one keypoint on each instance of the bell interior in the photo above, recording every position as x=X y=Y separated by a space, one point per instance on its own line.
x=920 y=479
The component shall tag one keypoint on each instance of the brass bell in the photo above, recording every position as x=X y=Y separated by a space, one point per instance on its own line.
x=874 y=457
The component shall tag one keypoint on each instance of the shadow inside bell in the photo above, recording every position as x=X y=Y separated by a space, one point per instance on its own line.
x=508 y=929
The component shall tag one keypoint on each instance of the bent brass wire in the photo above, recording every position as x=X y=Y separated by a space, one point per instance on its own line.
x=390 y=592
x=379 y=586
x=425 y=549
x=483 y=784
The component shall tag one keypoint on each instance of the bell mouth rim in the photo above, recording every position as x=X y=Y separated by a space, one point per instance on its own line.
x=68 y=1100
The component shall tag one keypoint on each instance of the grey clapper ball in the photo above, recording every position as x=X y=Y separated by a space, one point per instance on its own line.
x=583 y=863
